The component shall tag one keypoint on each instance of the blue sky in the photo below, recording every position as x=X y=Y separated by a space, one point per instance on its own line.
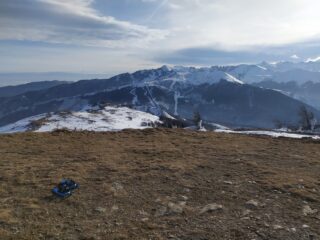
x=113 y=36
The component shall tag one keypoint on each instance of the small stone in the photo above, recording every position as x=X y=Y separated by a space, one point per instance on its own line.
x=184 y=197
x=114 y=208
x=144 y=219
x=277 y=227
x=116 y=187
x=252 y=204
x=161 y=211
x=211 y=207
x=100 y=210
x=228 y=182
x=246 y=212
x=307 y=210
x=175 y=208
x=143 y=213
x=252 y=182
x=305 y=226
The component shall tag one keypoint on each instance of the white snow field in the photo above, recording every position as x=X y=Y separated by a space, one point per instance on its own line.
x=271 y=133
x=106 y=119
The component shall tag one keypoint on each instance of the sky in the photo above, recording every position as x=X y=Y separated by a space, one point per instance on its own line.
x=114 y=36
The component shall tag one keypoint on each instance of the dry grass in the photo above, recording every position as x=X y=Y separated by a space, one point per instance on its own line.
x=128 y=179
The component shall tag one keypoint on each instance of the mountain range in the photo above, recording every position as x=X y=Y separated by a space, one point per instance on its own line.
x=253 y=96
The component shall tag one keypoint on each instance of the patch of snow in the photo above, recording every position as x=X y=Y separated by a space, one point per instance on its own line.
x=167 y=115
x=176 y=100
x=20 y=126
x=197 y=76
x=202 y=129
x=218 y=126
x=231 y=78
x=313 y=59
x=135 y=100
x=295 y=57
x=107 y=119
x=271 y=133
x=263 y=68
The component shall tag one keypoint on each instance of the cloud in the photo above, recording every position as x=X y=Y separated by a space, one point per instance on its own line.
x=209 y=56
x=129 y=34
x=206 y=56
x=220 y=24
x=241 y=24
x=72 y=22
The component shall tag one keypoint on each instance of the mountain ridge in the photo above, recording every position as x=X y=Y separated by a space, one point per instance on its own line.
x=216 y=94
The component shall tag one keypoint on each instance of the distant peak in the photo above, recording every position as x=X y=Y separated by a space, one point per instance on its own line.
x=165 y=68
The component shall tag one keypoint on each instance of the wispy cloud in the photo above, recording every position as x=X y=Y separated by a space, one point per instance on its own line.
x=125 y=34
x=71 y=22
x=241 y=24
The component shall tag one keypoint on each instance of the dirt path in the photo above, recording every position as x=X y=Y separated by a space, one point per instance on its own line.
x=159 y=184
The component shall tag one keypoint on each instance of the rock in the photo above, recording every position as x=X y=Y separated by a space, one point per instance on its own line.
x=307 y=210
x=145 y=219
x=252 y=182
x=246 y=212
x=143 y=213
x=116 y=187
x=100 y=209
x=211 y=207
x=171 y=207
x=228 y=182
x=277 y=227
x=252 y=204
x=305 y=226
x=175 y=208
x=161 y=211
x=114 y=208
x=185 y=198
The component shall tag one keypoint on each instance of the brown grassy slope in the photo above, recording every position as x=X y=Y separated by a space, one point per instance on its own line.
x=152 y=184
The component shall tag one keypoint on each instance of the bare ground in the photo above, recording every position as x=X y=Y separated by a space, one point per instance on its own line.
x=157 y=184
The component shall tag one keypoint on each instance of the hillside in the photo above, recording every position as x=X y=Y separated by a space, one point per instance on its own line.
x=159 y=184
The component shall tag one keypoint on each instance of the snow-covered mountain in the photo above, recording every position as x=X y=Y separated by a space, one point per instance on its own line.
x=90 y=119
x=215 y=92
x=307 y=92
x=305 y=76
x=281 y=72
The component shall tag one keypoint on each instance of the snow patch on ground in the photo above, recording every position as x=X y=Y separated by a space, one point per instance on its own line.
x=106 y=119
x=271 y=133
x=231 y=78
